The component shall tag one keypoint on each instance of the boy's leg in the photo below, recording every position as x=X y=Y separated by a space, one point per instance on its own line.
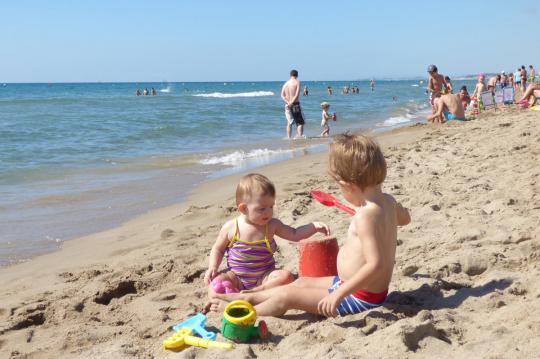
x=291 y=297
x=323 y=283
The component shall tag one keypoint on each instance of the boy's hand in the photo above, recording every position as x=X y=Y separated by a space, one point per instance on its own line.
x=322 y=228
x=328 y=305
x=210 y=274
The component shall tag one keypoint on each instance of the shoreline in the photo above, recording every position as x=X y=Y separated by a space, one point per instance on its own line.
x=191 y=194
x=464 y=279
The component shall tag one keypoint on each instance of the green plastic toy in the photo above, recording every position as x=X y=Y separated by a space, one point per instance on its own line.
x=238 y=322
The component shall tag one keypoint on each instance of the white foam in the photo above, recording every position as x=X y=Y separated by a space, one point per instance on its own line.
x=166 y=90
x=239 y=156
x=239 y=94
x=415 y=85
x=392 y=121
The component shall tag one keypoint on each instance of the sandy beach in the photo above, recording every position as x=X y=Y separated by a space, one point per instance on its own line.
x=464 y=283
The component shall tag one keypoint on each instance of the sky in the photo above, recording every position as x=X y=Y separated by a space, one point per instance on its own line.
x=175 y=40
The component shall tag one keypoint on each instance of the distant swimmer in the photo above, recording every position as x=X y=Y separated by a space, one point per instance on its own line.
x=449 y=86
x=138 y=92
x=306 y=91
x=290 y=94
x=145 y=92
x=372 y=85
x=394 y=98
x=154 y=92
x=330 y=90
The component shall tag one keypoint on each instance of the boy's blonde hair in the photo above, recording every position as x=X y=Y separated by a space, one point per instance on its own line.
x=357 y=159
x=254 y=184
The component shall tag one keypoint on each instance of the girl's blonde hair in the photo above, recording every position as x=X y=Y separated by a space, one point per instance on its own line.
x=254 y=184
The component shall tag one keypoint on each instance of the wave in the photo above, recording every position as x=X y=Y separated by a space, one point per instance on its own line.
x=239 y=94
x=239 y=156
x=166 y=90
x=408 y=113
x=396 y=120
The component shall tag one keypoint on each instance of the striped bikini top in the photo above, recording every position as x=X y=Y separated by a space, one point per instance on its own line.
x=250 y=261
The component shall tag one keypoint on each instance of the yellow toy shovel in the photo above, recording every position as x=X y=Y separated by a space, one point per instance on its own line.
x=184 y=338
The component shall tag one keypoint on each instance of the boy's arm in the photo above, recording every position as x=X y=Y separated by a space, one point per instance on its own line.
x=402 y=214
x=216 y=254
x=296 y=234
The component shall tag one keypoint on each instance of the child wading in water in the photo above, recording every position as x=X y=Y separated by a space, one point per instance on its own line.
x=325 y=118
x=366 y=261
x=249 y=241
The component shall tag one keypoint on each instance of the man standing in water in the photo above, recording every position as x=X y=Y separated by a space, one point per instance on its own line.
x=290 y=93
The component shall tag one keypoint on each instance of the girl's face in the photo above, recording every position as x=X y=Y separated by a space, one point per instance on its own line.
x=260 y=209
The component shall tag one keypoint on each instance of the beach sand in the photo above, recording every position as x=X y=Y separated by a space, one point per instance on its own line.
x=465 y=281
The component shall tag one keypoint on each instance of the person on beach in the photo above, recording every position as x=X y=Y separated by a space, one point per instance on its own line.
x=504 y=80
x=532 y=74
x=248 y=240
x=154 y=92
x=325 y=118
x=372 y=85
x=449 y=86
x=523 y=74
x=145 y=92
x=492 y=84
x=479 y=88
x=435 y=84
x=138 y=92
x=464 y=97
x=290 y=93
x=330 y=90
x=531 y=96
x=450 y=107
x=510 y=80
x=306 y=91
x=365 y=262
x=517 y=79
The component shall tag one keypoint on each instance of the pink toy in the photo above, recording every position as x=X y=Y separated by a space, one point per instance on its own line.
x=334 y=117
x=223 y=286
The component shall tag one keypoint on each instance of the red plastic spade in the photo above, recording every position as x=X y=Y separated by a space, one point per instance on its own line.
x=329 y=200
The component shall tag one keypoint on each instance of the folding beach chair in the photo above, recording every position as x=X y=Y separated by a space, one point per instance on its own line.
x=499 y=97
x=486 y=100
x=508 y=95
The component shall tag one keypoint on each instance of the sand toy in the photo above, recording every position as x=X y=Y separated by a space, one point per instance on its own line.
x=184 y=338
x=329 y=200
x=318 y=257
x=238 y=322
x=223 y=286
x=196 y=324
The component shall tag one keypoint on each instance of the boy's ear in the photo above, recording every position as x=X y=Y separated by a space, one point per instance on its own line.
x=242 y=207
x=345 y=184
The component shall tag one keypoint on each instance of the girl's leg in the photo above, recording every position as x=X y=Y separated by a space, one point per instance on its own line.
x=231 y=277
x=273 y=279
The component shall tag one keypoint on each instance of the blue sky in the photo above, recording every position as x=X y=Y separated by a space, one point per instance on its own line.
x=152 y=40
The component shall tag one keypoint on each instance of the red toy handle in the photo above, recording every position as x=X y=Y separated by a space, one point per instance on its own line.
x=343 y=207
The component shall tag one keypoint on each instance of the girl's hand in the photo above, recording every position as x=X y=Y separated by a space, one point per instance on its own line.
x=210 y=274
x=328 y=305
x=322 y=228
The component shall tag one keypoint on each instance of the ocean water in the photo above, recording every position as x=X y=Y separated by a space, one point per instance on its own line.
x=81 y=158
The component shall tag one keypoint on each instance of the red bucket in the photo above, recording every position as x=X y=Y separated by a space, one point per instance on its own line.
x=318 y=257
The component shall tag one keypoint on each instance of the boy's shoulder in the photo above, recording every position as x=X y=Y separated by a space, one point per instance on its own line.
x=375 y=208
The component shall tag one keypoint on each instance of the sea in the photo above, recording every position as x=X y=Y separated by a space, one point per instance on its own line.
x=78 y=158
